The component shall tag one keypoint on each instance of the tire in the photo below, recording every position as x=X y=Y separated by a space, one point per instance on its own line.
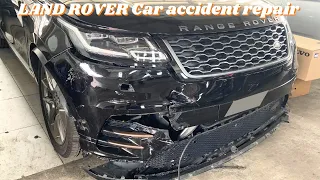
x=3 y=43
x=70 y=147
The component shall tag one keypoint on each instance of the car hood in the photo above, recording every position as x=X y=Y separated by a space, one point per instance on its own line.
x=174 y=24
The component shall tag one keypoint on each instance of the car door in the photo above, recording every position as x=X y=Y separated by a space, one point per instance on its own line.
x=17 y=29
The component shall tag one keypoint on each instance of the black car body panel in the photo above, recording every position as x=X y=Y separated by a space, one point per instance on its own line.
x=135 y=111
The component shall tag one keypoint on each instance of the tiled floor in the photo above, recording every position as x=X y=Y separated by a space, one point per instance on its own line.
x=25 y=148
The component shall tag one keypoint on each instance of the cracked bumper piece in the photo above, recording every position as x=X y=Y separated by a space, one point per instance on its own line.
x=204 y=151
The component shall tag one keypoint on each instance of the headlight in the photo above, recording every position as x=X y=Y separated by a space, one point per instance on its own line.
x=291 y=44
x=139 y=49
x=290 y=38
x=289 y=33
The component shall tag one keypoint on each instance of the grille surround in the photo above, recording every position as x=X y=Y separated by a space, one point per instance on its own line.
x=183 y=68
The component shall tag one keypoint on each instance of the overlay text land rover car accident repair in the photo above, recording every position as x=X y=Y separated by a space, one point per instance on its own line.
x=159 y=97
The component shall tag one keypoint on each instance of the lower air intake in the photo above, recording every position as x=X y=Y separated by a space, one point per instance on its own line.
x=212 y=142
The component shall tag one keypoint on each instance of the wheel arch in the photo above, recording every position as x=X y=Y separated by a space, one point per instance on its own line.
x=36 y=57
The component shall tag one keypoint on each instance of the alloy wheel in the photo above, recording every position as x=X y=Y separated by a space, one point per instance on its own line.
x=57 y=115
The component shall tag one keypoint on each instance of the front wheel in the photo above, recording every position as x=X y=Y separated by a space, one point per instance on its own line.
x=59 y=123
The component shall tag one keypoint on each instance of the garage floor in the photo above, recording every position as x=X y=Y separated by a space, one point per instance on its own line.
x=292 y=152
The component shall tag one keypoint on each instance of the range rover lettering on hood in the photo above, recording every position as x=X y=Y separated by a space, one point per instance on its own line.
x=228 y=25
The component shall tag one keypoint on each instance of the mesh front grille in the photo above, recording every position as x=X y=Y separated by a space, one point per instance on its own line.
x=209 y=54
x=211 y=141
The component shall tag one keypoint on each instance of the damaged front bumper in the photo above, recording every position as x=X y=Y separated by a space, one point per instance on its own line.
x=204 y=151
x=136 y=117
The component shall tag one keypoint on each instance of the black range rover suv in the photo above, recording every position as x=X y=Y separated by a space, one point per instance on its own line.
x=159 y=97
